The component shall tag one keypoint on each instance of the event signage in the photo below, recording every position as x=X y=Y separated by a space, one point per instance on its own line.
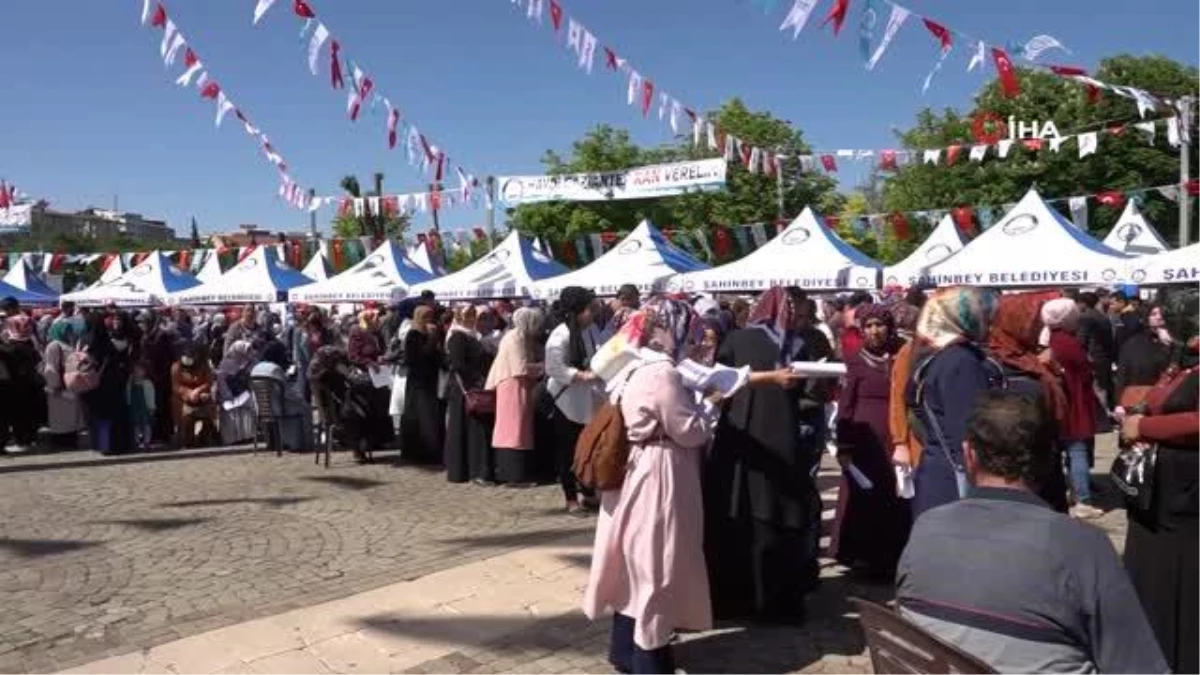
x=659 y=180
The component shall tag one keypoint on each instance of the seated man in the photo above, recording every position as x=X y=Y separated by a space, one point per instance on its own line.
x=297 y=425
x=1007 y=579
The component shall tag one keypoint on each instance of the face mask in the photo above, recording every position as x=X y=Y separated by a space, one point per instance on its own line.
x=121 y=345
x=187 y=361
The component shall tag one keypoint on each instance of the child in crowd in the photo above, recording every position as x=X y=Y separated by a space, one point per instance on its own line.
x=141 y=406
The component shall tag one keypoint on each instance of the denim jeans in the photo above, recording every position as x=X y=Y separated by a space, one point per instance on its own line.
x=1078 y=468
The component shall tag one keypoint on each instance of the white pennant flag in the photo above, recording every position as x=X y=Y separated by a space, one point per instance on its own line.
x=359 y=203
x=319 y=36
x=173 y=50
x=664 y=102
x=931 y=156
x=587 y=53
x=1147 y=127
x=798 y=16
x=1040 y=44
x=1056 y=142
x=845 y=154
x=224 y=105
x=1173 y=132
x=1003 y=147
x=1170 y=192
x=1087 y=143
x=676 y=109
x=977 y=57
x=755 y=164
x=202 y=80
x=864 y=154
x=315 y=203
x=186 y=78
x=145 y=11
x=759 y=232
x=575 y=36
x=698 y=125
x=169 y=33
x=895 y=21
x=937 y=66
x=261 y=8
x=712 y=135
x=535 y=10
x=978 y=152
x=374 y=203
x=635 y=86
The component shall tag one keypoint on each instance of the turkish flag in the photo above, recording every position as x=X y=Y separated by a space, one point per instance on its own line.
x=210 y=90
x=1074 y=72
x=828 y=162
x=160 y=17
x=838 y=14
x=941 y=33
x=1113 y=198
x=303 y=10
x=887 y=160
x=964 y=219
x=1008 y=75
x=610 y=59
x=190 y=58
x=556 y=14
x=900 y=226
x=1192 y=187
x=952 y=153
x=721 y=244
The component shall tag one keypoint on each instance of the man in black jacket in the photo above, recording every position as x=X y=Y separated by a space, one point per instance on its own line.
x=1096 y=334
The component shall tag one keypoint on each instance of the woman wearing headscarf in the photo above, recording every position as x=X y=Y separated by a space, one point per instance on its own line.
x=1145 y=354
x=297 y=422
x=110 y=348
x=233 y=385
x=949 y=371
x=1161 y=542
x=517 y=367
x=906 y=448
x=759 y=492
x=572 y=385
x=1077 y=428
x=422 y=425
x=468 y=435
x=648 y=557
x=402 y=318
x=1014 y=341
x=309 y=337
x=363 y=345
x=192 y=395
x=63 y=413
x=873 y=522
x=23 y=388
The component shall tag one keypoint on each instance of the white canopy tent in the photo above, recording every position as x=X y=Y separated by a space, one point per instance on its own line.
x=806 y=254
x=211 y=270
x=150 y=282
x=319 y=268
x=511 y=270
x=23 y=277
x=259 y=277
x=386 y=274
x=112 y=271
x=1181 y=266
x=419 y=253
x=943 y=242
x=1133 y=235
x=644 y=258
x=1033 y=245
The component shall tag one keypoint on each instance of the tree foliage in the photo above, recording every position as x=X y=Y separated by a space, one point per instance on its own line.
x=747 y=198
x=1123 y=162
x=348 y=225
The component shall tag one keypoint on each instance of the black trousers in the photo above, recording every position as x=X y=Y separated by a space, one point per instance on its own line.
x=627 y=657
x=566 y=434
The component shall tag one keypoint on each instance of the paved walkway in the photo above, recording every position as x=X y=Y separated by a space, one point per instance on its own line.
x=262 y=566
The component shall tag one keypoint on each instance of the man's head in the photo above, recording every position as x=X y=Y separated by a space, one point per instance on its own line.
x=9 y=306
x=628 y=296
x=1118 y=302
x=1087 y=300
x=1010 y=438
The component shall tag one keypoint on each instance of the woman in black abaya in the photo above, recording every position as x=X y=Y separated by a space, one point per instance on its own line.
x=469 y=455
x=758 y=489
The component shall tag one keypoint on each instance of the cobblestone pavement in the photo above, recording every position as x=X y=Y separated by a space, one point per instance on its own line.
x=107 y=560
x=98 y=558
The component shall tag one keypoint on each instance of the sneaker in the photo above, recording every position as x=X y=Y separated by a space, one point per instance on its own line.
x=1083 y=511
x=18 y=449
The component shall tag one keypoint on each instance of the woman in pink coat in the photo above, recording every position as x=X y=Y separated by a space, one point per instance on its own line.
x=648 y=559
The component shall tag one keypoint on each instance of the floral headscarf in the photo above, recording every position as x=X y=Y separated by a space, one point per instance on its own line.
x=775 y=312
x=19 y=328
x=673 y=328
x=958 y=314
x=1013 y=341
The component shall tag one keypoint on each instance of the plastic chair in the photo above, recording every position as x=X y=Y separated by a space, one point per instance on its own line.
x=897 y=645
x=269 y=412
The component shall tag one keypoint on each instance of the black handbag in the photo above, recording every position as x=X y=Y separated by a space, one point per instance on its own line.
x=1133 y=474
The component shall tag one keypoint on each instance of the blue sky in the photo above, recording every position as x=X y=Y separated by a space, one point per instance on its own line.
x=90 y=112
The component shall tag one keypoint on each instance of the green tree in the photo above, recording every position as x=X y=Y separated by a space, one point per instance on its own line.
x=747 y=197
x=348 y=225
x=1122 y=162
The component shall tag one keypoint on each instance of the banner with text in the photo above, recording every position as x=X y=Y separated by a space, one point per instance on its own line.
x=660 y=180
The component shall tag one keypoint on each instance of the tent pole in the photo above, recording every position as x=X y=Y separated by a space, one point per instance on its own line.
x=1185 y=122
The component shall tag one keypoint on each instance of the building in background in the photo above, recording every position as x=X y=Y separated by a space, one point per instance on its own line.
x=39 y=222
x=252 y=235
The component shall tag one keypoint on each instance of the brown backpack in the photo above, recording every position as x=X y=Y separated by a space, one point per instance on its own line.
x=602 y=450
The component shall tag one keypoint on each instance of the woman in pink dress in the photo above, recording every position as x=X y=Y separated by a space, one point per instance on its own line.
x=648 y=559
x=517 y=367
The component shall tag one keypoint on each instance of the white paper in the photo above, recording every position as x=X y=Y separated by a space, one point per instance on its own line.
x=905 y=489
x=381 y=378
x=704 y=379
x=237 y=401
x=818 y=368
x=859 y=477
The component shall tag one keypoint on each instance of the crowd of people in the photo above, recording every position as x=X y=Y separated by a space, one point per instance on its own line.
x=963 y=415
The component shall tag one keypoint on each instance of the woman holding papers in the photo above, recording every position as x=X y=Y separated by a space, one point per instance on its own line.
x=872 y=520
x=759 y=492
x=648 y=558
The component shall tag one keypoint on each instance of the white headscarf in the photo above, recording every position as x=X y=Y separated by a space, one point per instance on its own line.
x=513 y=357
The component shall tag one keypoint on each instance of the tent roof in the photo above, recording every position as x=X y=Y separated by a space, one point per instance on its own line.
x=149 y=282
x=259 y=277
x=511 y=270
x=1132 y=234
x=419 y=253
x=23 y=277
x=807 y=253
x=211 y=270
x=1173 y=267
x=644 y=258
x=943 y=242
x=1031 y=246
x=385 y=275
x=25 y=297
x=319 y=268
x=112 y=271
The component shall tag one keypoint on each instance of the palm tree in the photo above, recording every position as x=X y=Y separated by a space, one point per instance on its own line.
x=352 y=188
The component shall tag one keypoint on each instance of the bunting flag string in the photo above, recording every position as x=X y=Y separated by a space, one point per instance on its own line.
x=995 y=144
x=10 y=195
x=1030 y=52
x=173 y=42
x=363 y=94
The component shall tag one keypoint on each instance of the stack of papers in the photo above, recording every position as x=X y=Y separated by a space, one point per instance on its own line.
x=818 y=368
x=705 y=379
